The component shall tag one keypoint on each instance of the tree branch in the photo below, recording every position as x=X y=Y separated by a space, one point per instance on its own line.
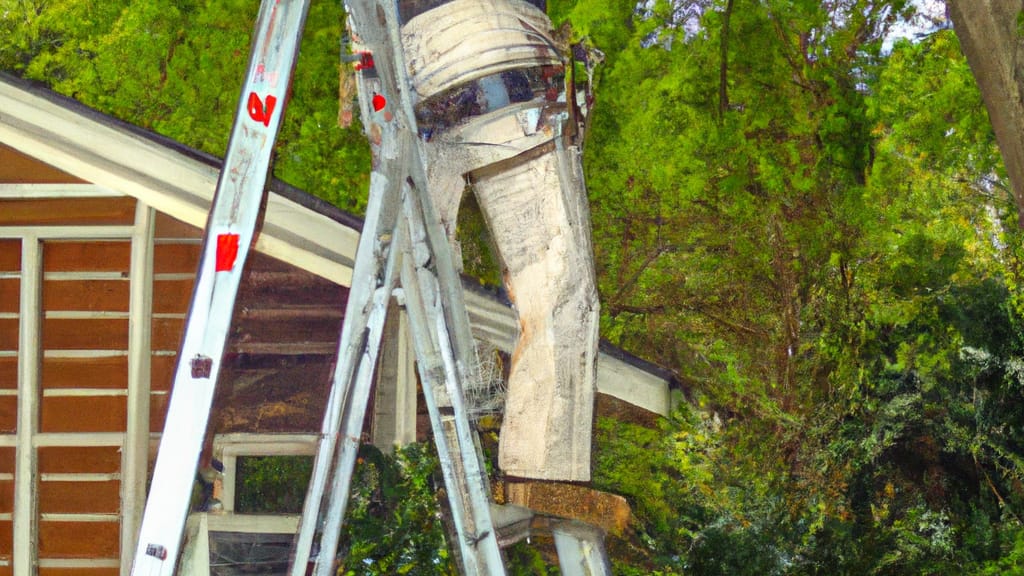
x=723 y=67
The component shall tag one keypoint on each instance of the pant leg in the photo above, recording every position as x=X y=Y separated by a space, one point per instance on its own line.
x=536 y=209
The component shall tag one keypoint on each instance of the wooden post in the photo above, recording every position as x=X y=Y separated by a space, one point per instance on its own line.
x=394 y=404
x=135 y=452
x=26 y=502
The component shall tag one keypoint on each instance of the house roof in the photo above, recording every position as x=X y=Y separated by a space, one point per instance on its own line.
x=298 y=228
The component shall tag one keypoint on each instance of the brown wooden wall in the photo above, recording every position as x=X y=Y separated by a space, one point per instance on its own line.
x=10 y=300
x=175 y=259
x=275 y=377
x=84 y=286
x=16 y=167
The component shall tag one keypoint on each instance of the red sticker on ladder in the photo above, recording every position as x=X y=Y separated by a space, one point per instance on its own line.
x=260 y=110
x=379 y=102
x=227 y=252
x=365 y=61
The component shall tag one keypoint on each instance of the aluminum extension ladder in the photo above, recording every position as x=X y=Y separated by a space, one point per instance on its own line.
x=402 y=251
x=228 y=236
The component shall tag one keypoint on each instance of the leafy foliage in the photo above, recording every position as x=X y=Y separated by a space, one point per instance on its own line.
x=815 y=233
x=818 y=237
x=393 y=526
x=272 y=484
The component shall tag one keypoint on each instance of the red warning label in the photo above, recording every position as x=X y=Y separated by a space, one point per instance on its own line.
x=227 y=251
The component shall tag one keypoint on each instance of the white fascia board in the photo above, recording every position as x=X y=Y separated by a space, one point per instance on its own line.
x=631 y=384
x=165 y=179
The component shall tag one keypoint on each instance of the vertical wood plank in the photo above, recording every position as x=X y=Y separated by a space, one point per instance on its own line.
x=136 y=447
x=25 y=493
x=394 y=405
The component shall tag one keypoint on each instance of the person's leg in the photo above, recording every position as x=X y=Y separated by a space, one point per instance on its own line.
x=541 y=229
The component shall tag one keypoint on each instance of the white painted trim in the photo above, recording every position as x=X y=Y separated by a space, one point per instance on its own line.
x=84 y=353
x=394 y=404
x=6 y=477
x=6 y=517
x=25 y=494
x=230 y=472
x=246 y=444
x=8 y=353
x=626 y=382
x=84 y=315
x=9 y=275
x=172 y=276
x=8 y=315
x=8 y=392
x=81 y=276
x=8 y=440
x=228 y=447
x=77 y=563
x=53 y=517
x=29 y=191
x=68 y=232
x=82 y=392
x=76 y=439
x=195 y=241
x=135 y=455
x=253 y=523
x=80 y=477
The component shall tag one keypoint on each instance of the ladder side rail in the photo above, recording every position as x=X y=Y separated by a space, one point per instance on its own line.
x=381 y=214
x=441 y=378
x=354 y=414
x=451 y=321
x=448 y=280
x=377 y=27
x=227 y=240
x=354 y=340
x=431 y=371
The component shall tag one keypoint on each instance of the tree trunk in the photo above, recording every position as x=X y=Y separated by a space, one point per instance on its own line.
x=990 y=33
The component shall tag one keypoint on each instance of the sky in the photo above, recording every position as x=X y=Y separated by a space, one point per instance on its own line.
x=931 y=16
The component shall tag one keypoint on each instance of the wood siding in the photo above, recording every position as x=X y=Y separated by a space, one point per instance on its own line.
x=67 y=212
x=275 y=377
x=16 y=167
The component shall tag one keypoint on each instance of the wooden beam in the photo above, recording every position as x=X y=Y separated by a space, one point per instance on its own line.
x=29 y=361
x=83 y=392
x=80 y=477
x=75 y=232
x=23 y=191
x=394 y=404
x=68 y=439
x=135 y=455
x=79 y=563
x=253 y=523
